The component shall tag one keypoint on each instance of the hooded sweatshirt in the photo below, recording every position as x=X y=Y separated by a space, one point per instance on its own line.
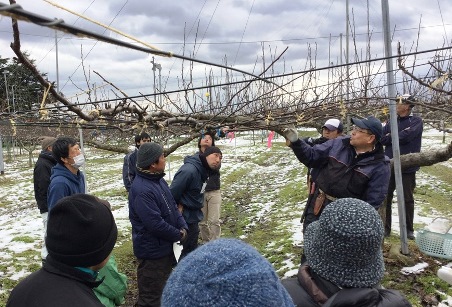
x=188 y=188
x=64 y=183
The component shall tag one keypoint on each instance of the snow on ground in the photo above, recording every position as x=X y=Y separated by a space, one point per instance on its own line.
x=21 y=225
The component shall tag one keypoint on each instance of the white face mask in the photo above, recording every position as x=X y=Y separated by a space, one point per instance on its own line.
x=79 y=161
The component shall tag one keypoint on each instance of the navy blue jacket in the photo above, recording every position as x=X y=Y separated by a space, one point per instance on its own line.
x=129 y=169
x=341 y=173
x=410 y=137
x=188 y=187
x=64 y=183
x=155 y=219
x=41 y=178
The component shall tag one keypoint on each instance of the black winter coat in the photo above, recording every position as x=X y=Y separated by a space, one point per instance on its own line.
x=41 y=178
x=410 y=138
x=55 y=285
x=308 y=289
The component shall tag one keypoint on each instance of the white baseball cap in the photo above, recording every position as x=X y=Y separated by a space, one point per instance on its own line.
x=333 y=124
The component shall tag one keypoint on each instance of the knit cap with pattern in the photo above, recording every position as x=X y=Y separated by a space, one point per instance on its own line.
x=224 y=272
x=344 y=245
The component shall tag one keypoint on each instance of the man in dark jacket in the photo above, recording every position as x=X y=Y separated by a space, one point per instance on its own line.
x=344 y=264
x=188 y=187
x=41 y=181
x=129 y=168
x=410 y=136
x=80 y=237
x=210 y=227
x=353 y=166
x=156 y=224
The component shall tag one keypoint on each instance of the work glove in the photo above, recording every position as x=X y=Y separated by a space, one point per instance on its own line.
x=291 y=134
x=183 y=237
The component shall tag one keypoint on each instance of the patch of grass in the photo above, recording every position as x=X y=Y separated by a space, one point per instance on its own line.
x=234 y=214
x=24 y=239
x=437 y=197
x=264 y=159
x=293 y=192
x=235 y=176
x=19 y=265
x=6 y=181
x=441 y=172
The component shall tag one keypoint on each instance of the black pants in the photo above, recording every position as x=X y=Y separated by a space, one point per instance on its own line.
x=409 y=183
x=191 y=243
x=152 y=275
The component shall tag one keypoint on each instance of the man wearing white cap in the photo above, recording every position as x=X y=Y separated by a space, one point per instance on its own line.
x=330 y=130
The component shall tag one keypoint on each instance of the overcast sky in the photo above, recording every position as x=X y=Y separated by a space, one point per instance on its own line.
x=235 y=29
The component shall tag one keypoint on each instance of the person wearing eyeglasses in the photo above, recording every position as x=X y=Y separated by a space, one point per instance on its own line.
x=351 y=166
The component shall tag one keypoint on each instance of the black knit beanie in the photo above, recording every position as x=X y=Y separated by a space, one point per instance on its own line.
x=209 y=150
x=148 y=153
x=81 y=231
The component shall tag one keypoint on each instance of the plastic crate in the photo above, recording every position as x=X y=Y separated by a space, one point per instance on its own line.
x=435 y=244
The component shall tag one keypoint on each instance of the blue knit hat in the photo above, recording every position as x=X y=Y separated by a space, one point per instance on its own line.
x=224 y=272
x=344 y=245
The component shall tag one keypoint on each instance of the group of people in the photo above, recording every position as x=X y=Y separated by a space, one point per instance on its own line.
x=342 y=264
x=358 y=165
x=79 y=235
x=162 y=215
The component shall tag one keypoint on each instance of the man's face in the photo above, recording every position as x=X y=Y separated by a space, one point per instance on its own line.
x=214 y=161
x=403 y=109
x=160 y=165
x=142 y=141
x=74 y=151
x=330 y=134
x=206 y=141
x=361 y=137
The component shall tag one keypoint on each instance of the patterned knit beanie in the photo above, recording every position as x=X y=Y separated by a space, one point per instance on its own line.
x=224 y=272
x=344 y=245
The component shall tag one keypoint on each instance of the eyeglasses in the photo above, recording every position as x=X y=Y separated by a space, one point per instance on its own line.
x=358 y=129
